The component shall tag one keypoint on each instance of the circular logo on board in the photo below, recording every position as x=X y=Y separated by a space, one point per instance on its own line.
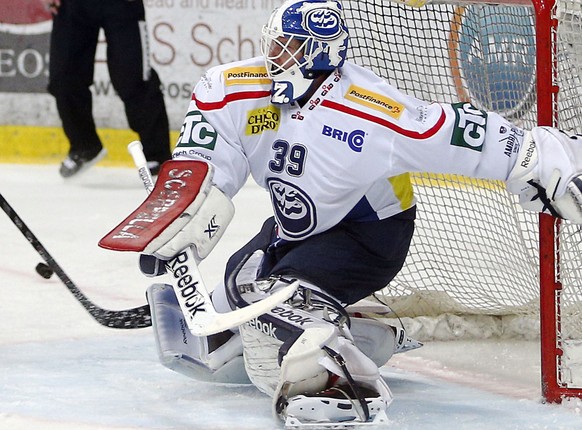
x=493 y=49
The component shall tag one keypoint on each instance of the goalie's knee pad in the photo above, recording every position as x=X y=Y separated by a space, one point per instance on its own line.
x=216 y=358
x=354 y=393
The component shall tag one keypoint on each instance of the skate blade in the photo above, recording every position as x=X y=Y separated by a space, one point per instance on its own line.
x=294 y=423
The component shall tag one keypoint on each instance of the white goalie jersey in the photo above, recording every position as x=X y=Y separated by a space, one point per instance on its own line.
x=346 y=153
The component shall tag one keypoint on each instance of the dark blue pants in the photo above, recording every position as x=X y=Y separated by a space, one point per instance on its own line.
x=350 y=261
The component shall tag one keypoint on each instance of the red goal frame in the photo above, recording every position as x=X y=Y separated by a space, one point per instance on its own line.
x=553 y=390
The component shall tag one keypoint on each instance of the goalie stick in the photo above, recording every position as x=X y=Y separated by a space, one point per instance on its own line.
x=201 y=317
x=122 y=319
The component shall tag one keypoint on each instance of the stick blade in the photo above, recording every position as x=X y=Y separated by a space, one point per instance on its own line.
x=211 y=323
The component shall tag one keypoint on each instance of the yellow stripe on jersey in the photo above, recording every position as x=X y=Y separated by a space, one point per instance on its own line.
x=403 y=190
x=246 y=76
x=375 y=101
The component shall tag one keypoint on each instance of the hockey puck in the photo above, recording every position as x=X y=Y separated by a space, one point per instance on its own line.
x=44 y=271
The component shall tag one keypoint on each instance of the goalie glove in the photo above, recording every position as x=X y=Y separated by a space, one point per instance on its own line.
x=184 y=209
x=547 y=175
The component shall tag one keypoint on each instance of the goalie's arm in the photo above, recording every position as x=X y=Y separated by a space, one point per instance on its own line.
x=209 y=133
x=547 y=174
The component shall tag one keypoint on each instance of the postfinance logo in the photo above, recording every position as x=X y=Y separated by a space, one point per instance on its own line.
x=375 y=101
x=259 y=120
x=246 y=76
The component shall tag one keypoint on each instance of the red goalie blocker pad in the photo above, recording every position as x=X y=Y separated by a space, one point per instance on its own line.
x=178 y=184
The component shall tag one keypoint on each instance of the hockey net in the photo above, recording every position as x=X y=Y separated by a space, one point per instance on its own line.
x=476 y=255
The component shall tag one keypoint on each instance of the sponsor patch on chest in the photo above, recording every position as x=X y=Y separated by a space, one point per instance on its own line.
x=246 y=76
x=375 y=101
x=259 y=120
x=354 y=138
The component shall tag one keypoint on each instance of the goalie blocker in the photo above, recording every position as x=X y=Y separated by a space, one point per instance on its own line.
x=183 y=209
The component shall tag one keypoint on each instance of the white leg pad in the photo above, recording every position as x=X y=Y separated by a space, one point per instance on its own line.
x=362 y=369
x=261 y=357
x=305 y=371
x=306 y=366
x=216 y=358
x=302 y=370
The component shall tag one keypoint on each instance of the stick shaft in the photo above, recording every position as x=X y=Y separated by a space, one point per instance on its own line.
x=135 y=148
x=124 y=319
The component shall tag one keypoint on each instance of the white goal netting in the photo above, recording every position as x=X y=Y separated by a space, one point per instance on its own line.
x=475 y=252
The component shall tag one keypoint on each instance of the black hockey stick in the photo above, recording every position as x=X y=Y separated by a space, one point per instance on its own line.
x=123 y=319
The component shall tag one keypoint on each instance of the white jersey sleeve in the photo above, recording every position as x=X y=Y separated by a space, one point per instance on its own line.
x=209 y=133
x=420 y=136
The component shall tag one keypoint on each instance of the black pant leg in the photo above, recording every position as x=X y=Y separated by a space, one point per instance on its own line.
x=135 y=81
x=72 y=57
x=261 y=241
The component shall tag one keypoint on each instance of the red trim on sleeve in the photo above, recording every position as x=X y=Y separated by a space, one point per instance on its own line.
x=243 y=95
x=408 y=133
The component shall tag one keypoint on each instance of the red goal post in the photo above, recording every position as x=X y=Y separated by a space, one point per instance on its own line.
x=555 y=381
x=476 y=255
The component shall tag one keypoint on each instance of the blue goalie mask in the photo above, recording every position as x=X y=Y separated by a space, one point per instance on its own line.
x=301 y=40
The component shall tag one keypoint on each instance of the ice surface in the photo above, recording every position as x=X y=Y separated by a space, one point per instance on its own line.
x=59 y=369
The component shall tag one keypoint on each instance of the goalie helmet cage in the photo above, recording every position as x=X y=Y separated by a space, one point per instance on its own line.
x=475 y=253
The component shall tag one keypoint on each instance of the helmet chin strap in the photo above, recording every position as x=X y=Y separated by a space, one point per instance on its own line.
x=316 y=80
